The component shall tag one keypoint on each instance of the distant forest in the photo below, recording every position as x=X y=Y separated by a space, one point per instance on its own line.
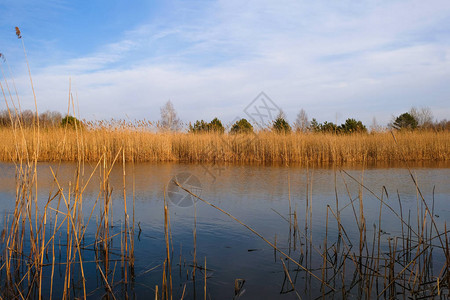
x=414 y=119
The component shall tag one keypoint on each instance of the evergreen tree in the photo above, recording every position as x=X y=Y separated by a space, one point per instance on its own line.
x=241 y=126
x=405 y=121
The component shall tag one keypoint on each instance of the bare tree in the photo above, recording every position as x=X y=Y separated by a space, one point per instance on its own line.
x=5 y=119
x=50 y=119
x=28 y=118
x=301 y=124
x=375 y=127
x=281 y=115
x=169 y=119
x=423 y=116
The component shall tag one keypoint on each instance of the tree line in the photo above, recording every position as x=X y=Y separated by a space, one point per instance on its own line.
x=414 y=119
x=28 y=118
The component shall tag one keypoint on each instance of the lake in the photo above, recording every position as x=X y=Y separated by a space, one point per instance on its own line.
x=287 y=206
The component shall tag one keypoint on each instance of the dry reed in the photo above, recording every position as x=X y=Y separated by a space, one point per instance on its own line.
x=56 y=144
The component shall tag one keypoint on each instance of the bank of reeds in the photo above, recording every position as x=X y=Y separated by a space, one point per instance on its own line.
x=57 y=144
x=44 y=251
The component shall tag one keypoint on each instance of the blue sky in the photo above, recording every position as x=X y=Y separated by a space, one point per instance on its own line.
x=335 y=59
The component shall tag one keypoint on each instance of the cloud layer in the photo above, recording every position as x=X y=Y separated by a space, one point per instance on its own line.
x=335 y=60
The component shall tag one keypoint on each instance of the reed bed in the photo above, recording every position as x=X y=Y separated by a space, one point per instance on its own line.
x=44 y=249
x=62 y=144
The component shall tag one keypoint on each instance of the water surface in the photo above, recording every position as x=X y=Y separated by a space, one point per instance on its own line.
x=262 y=197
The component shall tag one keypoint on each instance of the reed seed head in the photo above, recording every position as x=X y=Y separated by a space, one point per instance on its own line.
x=18 y=33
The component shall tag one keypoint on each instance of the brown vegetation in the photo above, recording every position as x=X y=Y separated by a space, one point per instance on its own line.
x=59 y=143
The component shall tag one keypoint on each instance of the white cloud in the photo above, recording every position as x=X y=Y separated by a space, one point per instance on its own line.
x=357 y=61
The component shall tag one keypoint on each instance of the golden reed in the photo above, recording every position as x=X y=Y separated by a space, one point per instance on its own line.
x=90 y=144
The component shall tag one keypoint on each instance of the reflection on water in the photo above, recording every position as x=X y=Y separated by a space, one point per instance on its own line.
x=260 y=196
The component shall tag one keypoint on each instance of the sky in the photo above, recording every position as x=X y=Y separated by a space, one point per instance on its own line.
x=126 y=59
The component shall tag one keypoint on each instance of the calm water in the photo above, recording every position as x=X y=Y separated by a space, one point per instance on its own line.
x=256 y=195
